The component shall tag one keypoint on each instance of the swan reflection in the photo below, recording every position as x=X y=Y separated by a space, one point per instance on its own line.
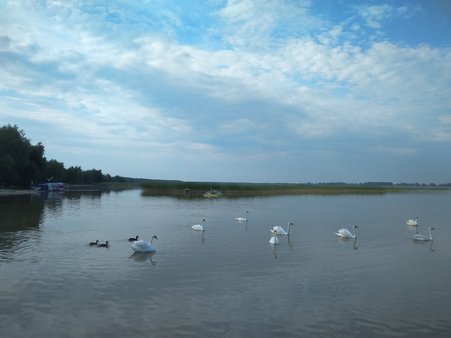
x=274 y=241
x=143 y=257
x=274 y=251
x=430 y=246
x=201 y=234
x=289 y=242
x=347 y=239
x=413 y=228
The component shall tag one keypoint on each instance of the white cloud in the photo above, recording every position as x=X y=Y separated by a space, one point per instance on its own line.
x=374 y=15
x=283 y=76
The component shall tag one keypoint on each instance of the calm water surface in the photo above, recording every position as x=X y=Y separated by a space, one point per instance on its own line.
x=229 y=282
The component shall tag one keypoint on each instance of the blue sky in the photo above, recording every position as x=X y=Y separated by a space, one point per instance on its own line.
x=252 y=90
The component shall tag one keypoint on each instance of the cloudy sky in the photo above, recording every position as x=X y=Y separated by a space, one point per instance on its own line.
x=238 y=90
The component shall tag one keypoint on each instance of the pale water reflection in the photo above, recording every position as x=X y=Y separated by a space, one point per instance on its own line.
x=227 y=281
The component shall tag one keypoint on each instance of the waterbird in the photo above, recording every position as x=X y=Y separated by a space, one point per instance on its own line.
x=144 y=246
x=421 y=237
x=131 y=239
x=412 y=222
x=274 y=240
x=281 y=231
x=199 y=227
x=345 y=233
x=94 y=243
x=242 y=219
x=104 y=245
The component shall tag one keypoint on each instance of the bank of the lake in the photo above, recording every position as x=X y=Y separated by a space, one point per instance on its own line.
x=198 y=189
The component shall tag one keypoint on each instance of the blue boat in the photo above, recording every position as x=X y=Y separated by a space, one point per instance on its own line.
x=51 y=186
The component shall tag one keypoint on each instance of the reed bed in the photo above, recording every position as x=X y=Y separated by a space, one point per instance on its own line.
x=197 y=189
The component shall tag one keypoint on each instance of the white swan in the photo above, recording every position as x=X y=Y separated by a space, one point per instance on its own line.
x=199 y=227
x=345 y=233
x=281 y=231
x=144 y=246
x=420 y=237
x=274 y=240
x=242 y=219
x=412 y=222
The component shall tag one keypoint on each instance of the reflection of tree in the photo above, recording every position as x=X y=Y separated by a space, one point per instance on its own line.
x=20 y=212
x=77 y=195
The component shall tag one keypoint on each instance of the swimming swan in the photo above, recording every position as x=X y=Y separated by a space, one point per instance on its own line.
x=274 y=240
x=94 y=243
x=144 y=246
x=281 y=231
x=420 y=237
x=131 y=239
x=412 y=222
x=345 y=233
x=199 y=227
x=242 y=219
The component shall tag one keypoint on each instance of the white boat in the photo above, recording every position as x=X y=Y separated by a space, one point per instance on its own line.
x=50 y=186
x=213 y=193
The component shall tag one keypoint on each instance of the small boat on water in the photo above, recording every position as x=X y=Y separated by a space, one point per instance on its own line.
x=213 y=193
x=49 y=186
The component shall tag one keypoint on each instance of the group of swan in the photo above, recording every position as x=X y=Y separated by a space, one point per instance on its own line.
x=201 y=226
x=345 y=233
x=143 y=246
x=279 y=231
x=138 y=245
x=417 y=236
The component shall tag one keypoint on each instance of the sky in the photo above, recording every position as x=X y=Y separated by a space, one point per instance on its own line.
x=233 y=91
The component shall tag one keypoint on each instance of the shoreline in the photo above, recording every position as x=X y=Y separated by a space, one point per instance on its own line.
x=15 y=192
x=197 y=190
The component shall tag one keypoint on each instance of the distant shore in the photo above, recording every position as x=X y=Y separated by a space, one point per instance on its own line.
x=198 y=189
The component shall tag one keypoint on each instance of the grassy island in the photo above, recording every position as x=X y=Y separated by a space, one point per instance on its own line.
x=198 y=189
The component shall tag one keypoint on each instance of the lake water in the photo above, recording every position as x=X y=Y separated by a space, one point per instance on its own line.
x=229 y=282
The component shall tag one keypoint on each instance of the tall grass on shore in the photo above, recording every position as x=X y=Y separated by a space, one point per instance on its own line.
x=197 y=189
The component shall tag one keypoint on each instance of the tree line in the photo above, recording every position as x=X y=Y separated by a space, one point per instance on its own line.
x=22 y=163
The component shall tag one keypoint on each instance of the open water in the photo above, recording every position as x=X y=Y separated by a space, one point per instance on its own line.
x=228 y=281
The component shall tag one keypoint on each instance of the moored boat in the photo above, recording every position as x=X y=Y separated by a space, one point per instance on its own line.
x=49 y=186
x=213 y=193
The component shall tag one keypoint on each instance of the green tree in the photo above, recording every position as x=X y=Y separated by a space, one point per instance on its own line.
x=92 y=176
x=55 y=171
x=20 y=162
x=74 y=175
